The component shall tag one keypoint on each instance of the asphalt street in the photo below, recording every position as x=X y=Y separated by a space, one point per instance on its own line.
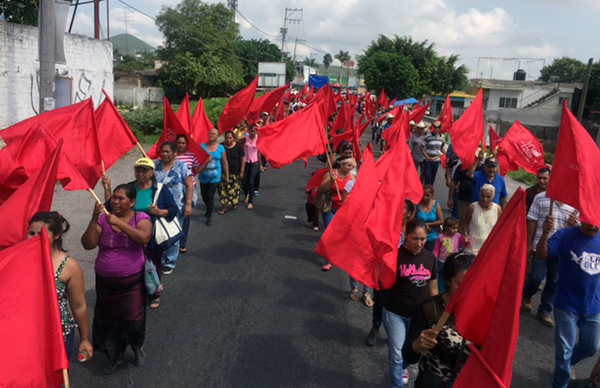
x=248 y=305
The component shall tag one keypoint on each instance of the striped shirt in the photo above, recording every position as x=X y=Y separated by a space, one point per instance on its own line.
x=434 y=145
x=190 y=159
x=539 y=210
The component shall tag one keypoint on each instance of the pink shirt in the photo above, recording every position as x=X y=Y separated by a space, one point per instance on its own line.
x=190 y=159
x=251 y=150
x=446 y=245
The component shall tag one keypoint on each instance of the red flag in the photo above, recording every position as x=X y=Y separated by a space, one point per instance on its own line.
x=328 y=103
x=280 y=114
x=31 y=327
x=237 y=107
x=418 y=113
x=443 y=161
x=447 y=116
x=487 y=303
x=114 y=136
x=173 y=128
x=345 y=243
x=33 y=196
x=315 y=180
x=24 y=156
x=76 y=124
x=265 y=103
x=495 y=139
x=183 y=114
x=358 y=155
x=520 y=148
x=295 y=137
x=382 y=100
x=200 y=124
x=304 y=90
x=394 y=112
x=467 y=132
x=575 y=174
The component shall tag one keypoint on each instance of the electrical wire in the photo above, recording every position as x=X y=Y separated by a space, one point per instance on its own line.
x=258 y=29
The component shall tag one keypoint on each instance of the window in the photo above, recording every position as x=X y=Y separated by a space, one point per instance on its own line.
x=506 y=102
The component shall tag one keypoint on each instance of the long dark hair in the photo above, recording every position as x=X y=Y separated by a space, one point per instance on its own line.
x=415 y=224
x=455 y=263
x=57 y=224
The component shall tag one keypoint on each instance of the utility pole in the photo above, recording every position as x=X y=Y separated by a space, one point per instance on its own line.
x=295 y=45
x=586 y=84
x=289 y=17
x=46 y=54
x=232 y=4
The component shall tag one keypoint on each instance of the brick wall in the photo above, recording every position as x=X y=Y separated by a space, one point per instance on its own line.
x=89 y=69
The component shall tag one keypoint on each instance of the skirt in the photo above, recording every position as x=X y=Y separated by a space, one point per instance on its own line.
x=120 y=314
x=230 y=192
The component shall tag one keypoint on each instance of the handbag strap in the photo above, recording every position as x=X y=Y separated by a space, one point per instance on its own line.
x=159 y=187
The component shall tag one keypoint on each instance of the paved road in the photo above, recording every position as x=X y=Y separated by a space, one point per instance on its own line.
x=248 y=306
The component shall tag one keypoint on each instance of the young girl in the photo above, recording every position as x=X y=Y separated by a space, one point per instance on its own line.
x=69 y=282
x=448 y=242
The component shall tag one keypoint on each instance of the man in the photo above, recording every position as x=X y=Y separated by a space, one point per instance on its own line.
x=564 y=217
x=577 y=300
x=462 y=183
x=416 y=144
x=543 y=175
x=488 y=175
x=434 y=149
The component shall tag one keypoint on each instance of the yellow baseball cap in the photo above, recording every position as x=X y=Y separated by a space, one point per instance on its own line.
x=144 y=162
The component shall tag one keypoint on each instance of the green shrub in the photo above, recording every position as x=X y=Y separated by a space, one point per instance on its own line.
x=523 y=177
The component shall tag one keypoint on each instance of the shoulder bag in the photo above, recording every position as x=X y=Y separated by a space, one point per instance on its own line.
x=166 y=233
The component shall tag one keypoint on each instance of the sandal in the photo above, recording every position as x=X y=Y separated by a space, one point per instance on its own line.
x=234 y=207
x=368 y=300
x=222 y=211
x=154 y=303
x=182 y=250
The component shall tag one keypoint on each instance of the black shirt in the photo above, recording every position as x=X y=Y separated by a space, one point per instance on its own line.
x=530 y=195
x=465 y=191
x=234 y=158
x=412 y=281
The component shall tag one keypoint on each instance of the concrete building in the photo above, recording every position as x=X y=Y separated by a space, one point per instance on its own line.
x=88 y=70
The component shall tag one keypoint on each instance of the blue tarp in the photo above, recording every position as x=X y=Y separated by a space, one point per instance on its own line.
x=317 y=81
x=407 y=101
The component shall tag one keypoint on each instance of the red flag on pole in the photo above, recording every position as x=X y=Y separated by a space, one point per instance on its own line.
x=31 y=326
x=280 y=114
x=200 y=124
x=520 y=148
x=115 y=138
x=298 y=136
x=183 y=114
x=418 y=113
x=382 y=100
x=345 y=243
x=237 y=107
x=495 y=139
x=575 y=174
x=467 y=132
x=265 y=103
x=33 y=196
x=487 y=303
x=447 y=116
x=173 y=128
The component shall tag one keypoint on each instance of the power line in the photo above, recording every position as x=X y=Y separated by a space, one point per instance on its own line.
x=258 y=29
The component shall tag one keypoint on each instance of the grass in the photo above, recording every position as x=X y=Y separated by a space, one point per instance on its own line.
x=523 y=177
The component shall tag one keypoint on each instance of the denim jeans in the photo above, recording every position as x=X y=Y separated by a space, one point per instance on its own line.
x=185 y=228
x=170 y=256
x=567 y=352
x=396 y=328
x=539 y=269
x=430 y=171
x=249 y=185
x=354 y=285
x=327 y=218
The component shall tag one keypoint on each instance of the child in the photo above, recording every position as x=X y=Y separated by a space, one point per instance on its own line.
x=312 y=189
x=448 y=242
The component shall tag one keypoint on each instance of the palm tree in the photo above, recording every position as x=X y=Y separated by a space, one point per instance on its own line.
x=309 y=62
x=327 y=60
x=342 y=56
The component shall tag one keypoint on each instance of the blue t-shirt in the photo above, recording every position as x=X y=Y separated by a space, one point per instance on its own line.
x=578 y=289
x=174 y=180
x=479 y=179
x=429 y=217
x=212 y=172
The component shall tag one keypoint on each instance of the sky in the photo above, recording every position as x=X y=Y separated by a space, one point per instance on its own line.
x=492 y=38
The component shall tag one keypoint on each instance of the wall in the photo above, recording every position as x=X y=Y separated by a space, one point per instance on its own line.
x=89 y=68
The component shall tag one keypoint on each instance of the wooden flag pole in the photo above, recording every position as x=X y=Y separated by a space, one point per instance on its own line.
x=141 y=149
x=103 y=168
x=337 y=188
x=551 y=207
x=97 y=200
x=66 y=378
x=438 y=326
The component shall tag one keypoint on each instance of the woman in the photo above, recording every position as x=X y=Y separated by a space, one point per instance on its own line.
x=177 y=177
x=189 y=158
x=254 y=165
x=120 y=312
x=229 y=190
x=434 y=149
x=211 y=172
x=68 y=278
x=444 y=353
x=145 y=185
x=416 y=280
x=430 y=211
x=480 y=218
x=335 y=183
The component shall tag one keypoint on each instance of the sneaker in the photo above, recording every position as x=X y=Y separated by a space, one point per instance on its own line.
x=526 y=304
x=367 y=300
x=545 y=319
x=113 y=364
x=405 y=376
x=167 y=270
x=208 y=222
x=326 y=267
x=316 y=228
x=309 y=224
x=256 y=193
x=372 y=336
x=140 y=357
x=354 y=294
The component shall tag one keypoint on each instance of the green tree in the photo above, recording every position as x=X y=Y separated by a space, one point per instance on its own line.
x=436 y=74
x=202 y=38
x=260 y=50
x=309 y=62
x=564 y=69
x=342 y=56
x=142 y=61
x=327 y=61
x=393 y=71
x=20 y=11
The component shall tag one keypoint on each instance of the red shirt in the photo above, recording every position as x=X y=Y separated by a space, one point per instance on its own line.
x=341 y=183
